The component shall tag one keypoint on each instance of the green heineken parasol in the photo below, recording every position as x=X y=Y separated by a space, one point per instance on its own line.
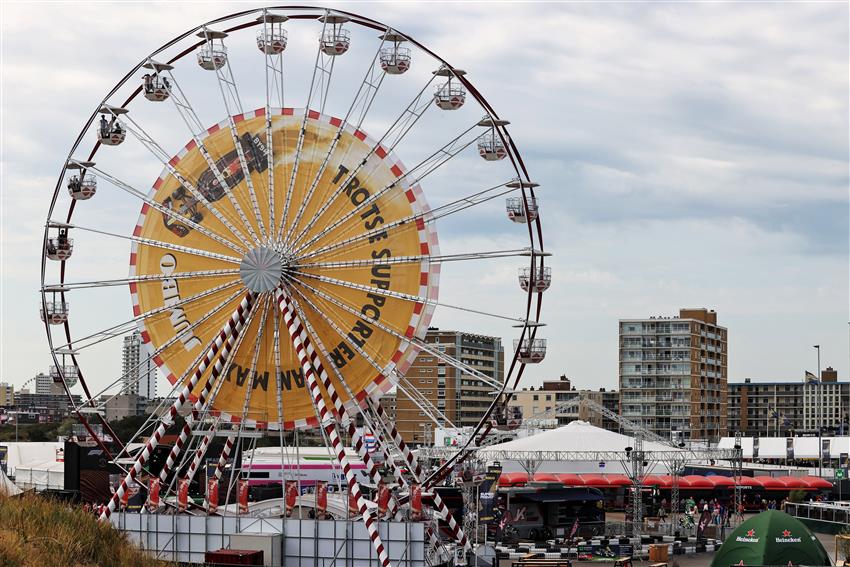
x=771 y=538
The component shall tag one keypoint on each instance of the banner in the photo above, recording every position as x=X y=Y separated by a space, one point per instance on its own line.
x=789 y=447
x=824 y=449
x=487 y=494
x=415 y=502
x=291 y=494
x=182 y=494
x=321 y=499
x=843 y=460
x=755 y=447
x=242 y=496
x=153 y=494
x=353 y=508
x=383 y=499
x=212 y=495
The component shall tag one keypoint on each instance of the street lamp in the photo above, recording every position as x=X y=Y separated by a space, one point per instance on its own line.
x=820 y=415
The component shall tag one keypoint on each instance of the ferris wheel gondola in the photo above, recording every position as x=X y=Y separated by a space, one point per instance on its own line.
x=285 y=265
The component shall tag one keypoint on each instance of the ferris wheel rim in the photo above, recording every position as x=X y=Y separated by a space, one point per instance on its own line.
x=533 y=304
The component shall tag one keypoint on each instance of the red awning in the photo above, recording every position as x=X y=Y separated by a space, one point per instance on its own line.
x=653 y=480
x=718 y=481
x=546 y=477
x=750 y=481
x=697 y=482
x=817 y=483
x=794 y=482
x=667 y=481
x=619 y=480
x=771 y=483
x=513 y=479
x=595 y=480
x=570 y=479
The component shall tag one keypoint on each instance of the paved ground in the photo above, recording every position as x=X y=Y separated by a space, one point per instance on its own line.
x=704 y=559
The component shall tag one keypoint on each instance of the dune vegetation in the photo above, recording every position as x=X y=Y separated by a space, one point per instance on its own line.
x=40 y=532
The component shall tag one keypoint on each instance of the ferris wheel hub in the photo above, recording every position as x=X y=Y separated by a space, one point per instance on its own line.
x=261 y=269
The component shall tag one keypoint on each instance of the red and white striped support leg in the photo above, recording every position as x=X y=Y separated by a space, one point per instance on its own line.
x=197 y=408
x=457 y=531
x=356 y=437
x=153 y=441
x=295 y=328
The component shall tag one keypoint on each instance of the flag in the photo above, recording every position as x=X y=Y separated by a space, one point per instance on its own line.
x=212 y=495
x=811 y=378
x=383 y=499
x=182 y=494
x=321 y=498
x=153 y=494
x=574 y=529
x=415 y=502
x=353 y=508
x=291 y=489
x=370 y=442
x=242 y=496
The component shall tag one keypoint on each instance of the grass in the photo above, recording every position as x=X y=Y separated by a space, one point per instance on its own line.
x=39 y=532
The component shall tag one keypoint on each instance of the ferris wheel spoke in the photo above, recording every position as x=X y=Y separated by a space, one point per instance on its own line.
x=203 y=406
x=417 y=299
x=158 y=152
x=310 y=337
x=434 y=413
x=424 y=218
x=147 y=359
x=212 y=349
x=361 y=104
x=130 y=324
x=437 y=259
x=233 y=106
x=144 y=278
x=161 y=244
x=413 y=177
x=391 y=138
x=335 y=300
x=329 y=426
x=273 y=66
x=319 y=82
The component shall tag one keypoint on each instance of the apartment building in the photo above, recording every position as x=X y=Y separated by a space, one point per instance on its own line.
x=541 y=406
x=458 y=394
x=138 y=371
x=673 y=373
x=787 y=408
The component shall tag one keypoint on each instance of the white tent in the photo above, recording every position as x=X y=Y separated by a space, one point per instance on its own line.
x=41 y=475
x=25 y=454
x=8 y=487
x=575 y=436
x=775 y=447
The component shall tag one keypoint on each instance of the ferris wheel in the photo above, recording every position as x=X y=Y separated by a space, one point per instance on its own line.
x=284 y=268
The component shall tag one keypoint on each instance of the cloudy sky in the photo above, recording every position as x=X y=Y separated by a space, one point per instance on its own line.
x=689 y=155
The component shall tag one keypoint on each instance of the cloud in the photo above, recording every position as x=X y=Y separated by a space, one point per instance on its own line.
x=688 y=155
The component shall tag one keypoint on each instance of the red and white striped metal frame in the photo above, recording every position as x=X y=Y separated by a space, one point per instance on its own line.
x=340 y=413
x=229 y=328
x=296 y=329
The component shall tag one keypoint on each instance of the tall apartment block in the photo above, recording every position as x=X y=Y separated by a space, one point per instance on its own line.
x=137 y=368
x=673 y=373
x=460 y=396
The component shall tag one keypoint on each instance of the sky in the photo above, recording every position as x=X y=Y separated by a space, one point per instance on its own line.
x=688 y=155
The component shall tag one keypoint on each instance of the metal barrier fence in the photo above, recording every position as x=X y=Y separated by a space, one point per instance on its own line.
x=831 y=512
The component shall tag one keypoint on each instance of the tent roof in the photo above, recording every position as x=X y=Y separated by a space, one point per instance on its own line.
x=775 y=447
x=771 y=538
x=575 y=436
